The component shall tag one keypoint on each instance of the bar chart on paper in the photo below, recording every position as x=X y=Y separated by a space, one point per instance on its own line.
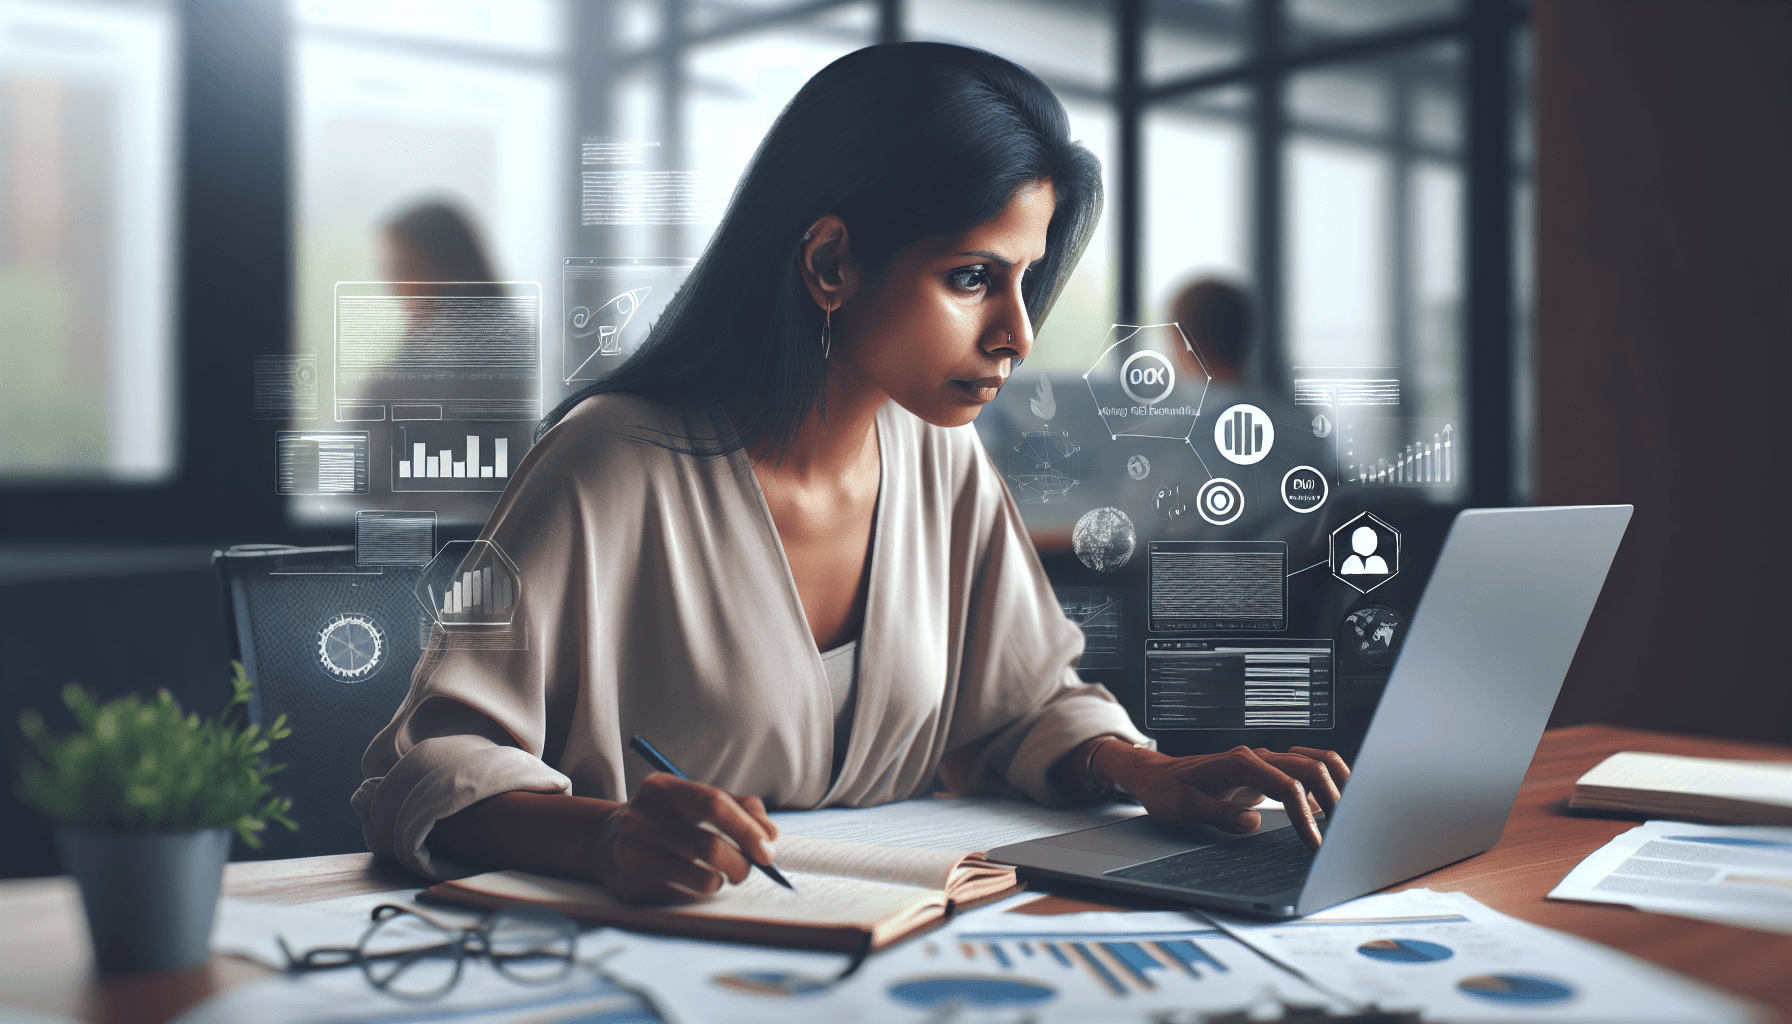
x=1118 y=964
x=455 y=457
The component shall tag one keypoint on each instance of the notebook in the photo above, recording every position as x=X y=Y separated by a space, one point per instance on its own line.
x=846 y=894
x=1703 y=789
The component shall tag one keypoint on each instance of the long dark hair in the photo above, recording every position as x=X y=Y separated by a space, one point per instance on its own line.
x=903 y=142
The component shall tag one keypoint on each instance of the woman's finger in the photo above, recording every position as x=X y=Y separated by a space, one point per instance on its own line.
x=1242 y=766
x=1334 y=761
x=671 y=865
x=1312 y=773
x=644 y=865
x=1193 y=807
x=706 y=848
x=1242 y=795
x=694 y=802
x=755 y=809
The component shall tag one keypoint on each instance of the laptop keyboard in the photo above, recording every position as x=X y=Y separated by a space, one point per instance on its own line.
x=1265 y=864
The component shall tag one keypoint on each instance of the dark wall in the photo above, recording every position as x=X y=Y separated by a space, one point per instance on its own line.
x=116 y=621
x=1664 y=265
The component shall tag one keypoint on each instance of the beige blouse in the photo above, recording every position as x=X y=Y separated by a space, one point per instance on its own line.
x=656 y=600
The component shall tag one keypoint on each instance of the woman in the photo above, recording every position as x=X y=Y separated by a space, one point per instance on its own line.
x=786 y=468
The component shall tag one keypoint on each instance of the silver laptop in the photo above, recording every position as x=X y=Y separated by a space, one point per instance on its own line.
x=1457 y=725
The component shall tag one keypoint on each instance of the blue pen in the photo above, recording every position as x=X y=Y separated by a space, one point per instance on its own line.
x=659 y=763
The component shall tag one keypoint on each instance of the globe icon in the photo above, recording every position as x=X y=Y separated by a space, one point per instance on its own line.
x=1374 y=633
x=1104 y=539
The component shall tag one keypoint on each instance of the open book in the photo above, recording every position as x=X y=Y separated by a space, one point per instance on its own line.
x=845 y=893
x=1704 y=789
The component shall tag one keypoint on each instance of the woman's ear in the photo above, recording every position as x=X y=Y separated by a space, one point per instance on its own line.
x=825 y=260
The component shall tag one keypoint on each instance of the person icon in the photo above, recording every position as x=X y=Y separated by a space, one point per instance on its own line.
x=1365 y=562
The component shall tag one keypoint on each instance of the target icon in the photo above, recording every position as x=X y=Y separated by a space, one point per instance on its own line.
x=1220 y=501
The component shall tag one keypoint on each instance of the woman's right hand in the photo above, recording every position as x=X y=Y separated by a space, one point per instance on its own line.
x=677 y=840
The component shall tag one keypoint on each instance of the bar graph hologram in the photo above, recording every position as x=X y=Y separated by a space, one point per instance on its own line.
x=470 y=585
x=455 y=457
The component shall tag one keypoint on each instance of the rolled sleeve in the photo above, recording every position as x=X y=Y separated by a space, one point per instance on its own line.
x=1080 y=712
x=435 y=779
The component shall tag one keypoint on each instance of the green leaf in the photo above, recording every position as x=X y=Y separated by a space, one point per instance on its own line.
x=144 y=765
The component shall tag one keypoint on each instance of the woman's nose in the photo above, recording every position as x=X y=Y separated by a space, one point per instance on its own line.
x=1011 y=336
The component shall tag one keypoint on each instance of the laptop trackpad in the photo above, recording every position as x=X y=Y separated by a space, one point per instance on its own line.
x=1141 y=838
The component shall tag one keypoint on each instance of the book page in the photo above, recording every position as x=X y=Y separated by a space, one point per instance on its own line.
x=962 y=824
x=924 y=869
x=1766 y=782
x=818 y=899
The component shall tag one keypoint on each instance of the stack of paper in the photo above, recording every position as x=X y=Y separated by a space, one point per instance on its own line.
x=994 y=964
x=1450 y=958
x=1735 y=875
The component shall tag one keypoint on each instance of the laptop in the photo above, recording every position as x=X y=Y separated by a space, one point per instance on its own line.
x=1441 y=764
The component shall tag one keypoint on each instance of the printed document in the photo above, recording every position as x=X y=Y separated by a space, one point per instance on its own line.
x=1731 y=874
x=1449 y=957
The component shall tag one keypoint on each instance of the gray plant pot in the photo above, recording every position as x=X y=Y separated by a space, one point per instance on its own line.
x=150 y=896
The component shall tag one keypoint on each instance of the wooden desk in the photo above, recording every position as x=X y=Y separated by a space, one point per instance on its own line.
x=45 y=964
x=1542 y=843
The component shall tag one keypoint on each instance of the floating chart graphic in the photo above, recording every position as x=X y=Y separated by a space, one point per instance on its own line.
x=1119 y=963
x=470 y=584
x=434 y=457
x=322 y=462
x=1428 y=459
x=1043 y=466
x=1097 y=611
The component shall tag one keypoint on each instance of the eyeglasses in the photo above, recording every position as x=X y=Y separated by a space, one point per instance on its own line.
x=410 y=956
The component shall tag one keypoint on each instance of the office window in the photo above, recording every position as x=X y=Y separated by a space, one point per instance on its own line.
x=1187 y=37
x=1325 y=168
x=88 y=128
x=1197 y=198
x=738 y=85
x=406 y=111
x=1069 y=46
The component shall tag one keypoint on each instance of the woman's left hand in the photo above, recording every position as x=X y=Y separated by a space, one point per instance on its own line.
x=1221 y=789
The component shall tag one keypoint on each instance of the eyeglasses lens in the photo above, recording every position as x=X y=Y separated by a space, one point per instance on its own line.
x=408 y=956
x=530 y=947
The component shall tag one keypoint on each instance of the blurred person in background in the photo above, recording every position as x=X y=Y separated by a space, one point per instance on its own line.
x=1216 y=317
x=433 y=241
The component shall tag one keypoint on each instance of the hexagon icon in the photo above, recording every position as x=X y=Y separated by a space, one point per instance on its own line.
x=470 y=584
x=1365 y=553
x=1148 y=382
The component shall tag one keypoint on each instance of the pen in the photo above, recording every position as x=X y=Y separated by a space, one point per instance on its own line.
x=659 y=763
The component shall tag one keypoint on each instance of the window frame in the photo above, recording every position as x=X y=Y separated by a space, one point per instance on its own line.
x=234 y=280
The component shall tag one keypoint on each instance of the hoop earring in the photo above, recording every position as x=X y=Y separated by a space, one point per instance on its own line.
x=827 y=332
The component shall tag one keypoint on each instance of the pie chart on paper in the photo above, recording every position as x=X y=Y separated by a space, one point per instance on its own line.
x=1405 y=951
x=771 y=983
x=1514 y=988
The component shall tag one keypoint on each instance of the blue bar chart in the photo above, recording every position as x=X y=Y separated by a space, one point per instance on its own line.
x=1121 y=964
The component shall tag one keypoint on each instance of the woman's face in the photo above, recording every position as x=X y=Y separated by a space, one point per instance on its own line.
x=941 y=331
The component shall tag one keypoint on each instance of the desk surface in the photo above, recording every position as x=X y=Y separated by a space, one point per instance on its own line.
x=45 y=964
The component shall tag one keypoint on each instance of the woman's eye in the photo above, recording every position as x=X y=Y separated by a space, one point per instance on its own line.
x=968 y=278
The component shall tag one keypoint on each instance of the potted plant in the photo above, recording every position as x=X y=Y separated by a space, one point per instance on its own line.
x=145 y=799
